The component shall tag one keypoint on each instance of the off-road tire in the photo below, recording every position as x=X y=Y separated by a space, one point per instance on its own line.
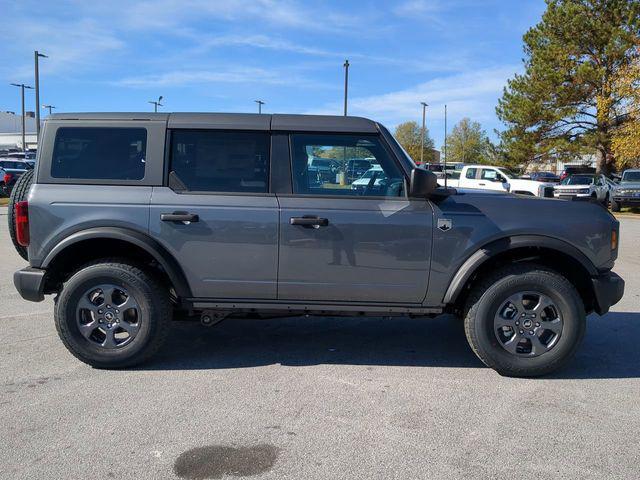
x=485 y=299
x=151 y=296
x=615 y=206
x=18 y=194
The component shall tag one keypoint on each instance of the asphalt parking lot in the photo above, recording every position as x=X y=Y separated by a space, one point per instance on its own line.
x=317 y=398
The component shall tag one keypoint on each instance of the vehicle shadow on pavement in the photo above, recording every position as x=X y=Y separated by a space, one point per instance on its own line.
x=301 y=341
x=611 y=347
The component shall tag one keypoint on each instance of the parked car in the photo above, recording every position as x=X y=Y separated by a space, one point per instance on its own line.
x=576 y=170
x=323 y=168
x=373 y=177
x=357 y=167
x=627 y=192
x=586 y=186
x=213 y=216
x=544 y=177
x=13 y=168
x=499 y=178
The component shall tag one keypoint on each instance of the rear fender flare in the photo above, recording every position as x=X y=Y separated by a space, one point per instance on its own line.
x=159 y=253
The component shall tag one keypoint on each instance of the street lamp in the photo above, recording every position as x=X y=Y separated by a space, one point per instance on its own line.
x=22 y=87
x=424 y=114
x=157 y=103
x=49 y=107
x=346 y=84
x=37 y=55
x=260 y=103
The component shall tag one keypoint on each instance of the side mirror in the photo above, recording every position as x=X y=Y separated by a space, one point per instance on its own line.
x=423 y=183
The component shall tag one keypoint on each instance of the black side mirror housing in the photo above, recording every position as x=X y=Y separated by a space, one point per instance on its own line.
x=423 y=183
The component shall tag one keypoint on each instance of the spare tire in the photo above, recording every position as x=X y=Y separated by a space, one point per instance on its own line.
x=18 y=194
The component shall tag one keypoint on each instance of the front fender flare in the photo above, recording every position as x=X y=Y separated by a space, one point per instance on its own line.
x=159 y=253
x=502 y=245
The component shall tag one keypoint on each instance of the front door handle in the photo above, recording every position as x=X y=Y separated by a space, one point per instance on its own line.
x=184 y=217
x=309 y=221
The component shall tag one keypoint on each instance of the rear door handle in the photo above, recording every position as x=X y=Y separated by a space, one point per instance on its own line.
x=309 y=221
x=183 y=217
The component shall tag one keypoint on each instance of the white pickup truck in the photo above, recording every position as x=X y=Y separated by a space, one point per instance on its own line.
x=498 y=178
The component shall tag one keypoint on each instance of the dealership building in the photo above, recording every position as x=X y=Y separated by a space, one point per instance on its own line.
x=11 y=130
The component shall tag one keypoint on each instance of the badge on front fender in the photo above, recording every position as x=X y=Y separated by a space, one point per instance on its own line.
x=444 y=224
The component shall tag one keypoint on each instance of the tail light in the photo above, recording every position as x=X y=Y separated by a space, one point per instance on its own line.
x=7 y=178
x=21 y=214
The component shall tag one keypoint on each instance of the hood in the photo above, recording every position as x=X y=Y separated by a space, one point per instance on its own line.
x=572 y=187
x=628 y=186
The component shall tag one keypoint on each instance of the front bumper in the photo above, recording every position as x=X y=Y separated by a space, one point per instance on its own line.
x=30 y=283
x=570 y=195
x=627 y=200
x=608 y=289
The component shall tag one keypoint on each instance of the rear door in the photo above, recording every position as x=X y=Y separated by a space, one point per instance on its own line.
x=216 y=216
x=341 y=242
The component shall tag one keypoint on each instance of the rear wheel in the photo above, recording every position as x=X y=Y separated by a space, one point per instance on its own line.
x=111 y=314
x=525 y=320
x=18 y=194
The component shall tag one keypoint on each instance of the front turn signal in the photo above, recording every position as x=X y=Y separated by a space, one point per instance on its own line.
x=614 y=239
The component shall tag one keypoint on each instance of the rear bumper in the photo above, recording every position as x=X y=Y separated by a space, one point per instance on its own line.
x=30 y=283
x=608 y=289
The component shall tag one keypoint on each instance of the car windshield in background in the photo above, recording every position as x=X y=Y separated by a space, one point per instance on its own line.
x=631 y=176
x=578 y=180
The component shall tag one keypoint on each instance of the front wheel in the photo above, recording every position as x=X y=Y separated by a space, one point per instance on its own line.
x=525 y=320
x=111 y=314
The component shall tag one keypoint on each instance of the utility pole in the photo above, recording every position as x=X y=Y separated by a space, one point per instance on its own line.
x=346 y=84
x=260 y=103
x=37 y=55
x=445 y=146
x=50 y=107
x=156 y=104
x=22 y=87
x=424 y=114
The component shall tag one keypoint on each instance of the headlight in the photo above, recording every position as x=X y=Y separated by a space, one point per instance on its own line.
x=583 y=190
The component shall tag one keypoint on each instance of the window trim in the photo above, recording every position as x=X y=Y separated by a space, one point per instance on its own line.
x=383 y=143
x=154 y=157
x=99 y=181
x=169 y=160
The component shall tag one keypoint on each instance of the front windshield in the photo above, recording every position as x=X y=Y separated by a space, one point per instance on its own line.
x=631 y=176
x=578 y=180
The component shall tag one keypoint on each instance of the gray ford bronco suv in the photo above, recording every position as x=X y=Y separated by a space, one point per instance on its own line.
x=131 y=219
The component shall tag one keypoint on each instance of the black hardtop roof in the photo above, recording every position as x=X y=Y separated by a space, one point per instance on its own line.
x=238 y=121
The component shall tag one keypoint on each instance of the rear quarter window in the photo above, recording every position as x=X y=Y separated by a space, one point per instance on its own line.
x=99 y=153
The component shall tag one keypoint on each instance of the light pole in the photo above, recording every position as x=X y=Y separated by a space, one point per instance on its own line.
x=37 y=55
x=346 y=84
x=156 y=103
x=260 y=103
x=424 y=114
x=49 y=107
x=445 y=146
x=22 y=87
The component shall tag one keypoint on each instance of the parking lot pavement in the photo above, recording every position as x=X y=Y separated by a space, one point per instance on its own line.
x=317 y=398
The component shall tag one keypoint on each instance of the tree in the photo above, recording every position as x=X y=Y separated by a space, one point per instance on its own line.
x=409 y=135
x=467 y=143
x=565 y=102
x=626 y=137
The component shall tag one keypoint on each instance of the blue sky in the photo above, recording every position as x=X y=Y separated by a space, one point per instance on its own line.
x=221 y=55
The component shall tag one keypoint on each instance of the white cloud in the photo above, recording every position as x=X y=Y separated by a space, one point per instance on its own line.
x=243 y=75
x=470 y=94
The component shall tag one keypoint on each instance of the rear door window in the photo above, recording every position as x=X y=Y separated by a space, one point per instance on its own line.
x=220 y=161
x=99 y=153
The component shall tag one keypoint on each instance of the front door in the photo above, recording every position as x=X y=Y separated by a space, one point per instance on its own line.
x=351 y=239
x=216 y=217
